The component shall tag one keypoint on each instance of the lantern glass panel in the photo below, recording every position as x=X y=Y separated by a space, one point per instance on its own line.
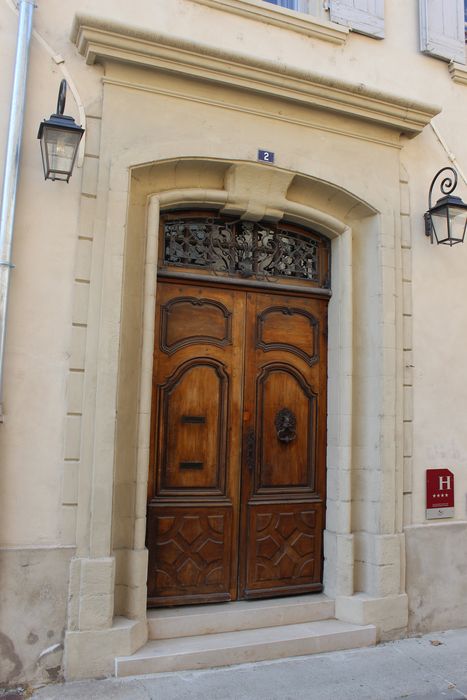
x=449 y=223
x=59 y=148
x=457 y=223
x=439 y=221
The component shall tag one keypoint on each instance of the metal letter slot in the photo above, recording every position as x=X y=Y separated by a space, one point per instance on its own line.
x=193 y=419
x=191 y=465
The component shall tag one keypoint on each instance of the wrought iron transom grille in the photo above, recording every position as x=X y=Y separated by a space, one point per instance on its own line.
x=246 y=248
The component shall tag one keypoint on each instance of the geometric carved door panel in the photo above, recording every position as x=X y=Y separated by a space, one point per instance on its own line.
x=191 y=555
x=237 y=466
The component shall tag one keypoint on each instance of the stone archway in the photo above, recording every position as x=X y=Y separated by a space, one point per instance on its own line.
x=363 y=549
x=254 y=192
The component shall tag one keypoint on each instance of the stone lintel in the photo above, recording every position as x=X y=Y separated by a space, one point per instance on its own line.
x=101 y=40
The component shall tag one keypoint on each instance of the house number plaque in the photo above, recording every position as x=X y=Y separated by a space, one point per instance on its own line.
x=266 y=156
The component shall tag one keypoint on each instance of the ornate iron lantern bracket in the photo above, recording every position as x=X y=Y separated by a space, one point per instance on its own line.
x=446 y=221
x=59 y=137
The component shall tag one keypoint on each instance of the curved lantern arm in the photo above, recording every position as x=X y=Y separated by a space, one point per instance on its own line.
x=61 y=97
x=447 y=185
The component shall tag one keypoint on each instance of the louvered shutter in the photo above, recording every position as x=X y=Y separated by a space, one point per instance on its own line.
x=364 y=16
x=442 y=29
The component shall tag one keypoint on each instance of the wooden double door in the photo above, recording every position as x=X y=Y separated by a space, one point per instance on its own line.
x=237 y=468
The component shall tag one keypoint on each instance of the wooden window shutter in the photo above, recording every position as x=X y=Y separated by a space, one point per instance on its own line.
x=442 y=29
x=364 y=16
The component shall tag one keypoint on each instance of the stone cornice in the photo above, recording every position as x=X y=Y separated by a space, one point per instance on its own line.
x=100 y=41
x=279 y=17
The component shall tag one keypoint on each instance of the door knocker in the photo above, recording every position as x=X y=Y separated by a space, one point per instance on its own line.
x=285 y=423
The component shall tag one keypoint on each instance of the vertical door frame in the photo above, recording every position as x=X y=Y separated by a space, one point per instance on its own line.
x=337 y=542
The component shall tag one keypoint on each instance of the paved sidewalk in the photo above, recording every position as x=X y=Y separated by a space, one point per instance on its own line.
x=432 y=667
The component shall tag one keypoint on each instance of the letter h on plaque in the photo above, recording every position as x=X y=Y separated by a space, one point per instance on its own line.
x=439 y=494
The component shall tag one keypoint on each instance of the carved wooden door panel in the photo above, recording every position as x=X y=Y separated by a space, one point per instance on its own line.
x=283 y=481
x=192 y=528
x=237 y=473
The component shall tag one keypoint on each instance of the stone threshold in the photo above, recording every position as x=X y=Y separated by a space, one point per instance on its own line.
x=191 y=620
x=244 y=646
x=224 y=634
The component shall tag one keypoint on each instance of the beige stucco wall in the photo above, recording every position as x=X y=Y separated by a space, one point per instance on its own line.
x=69 y=338
x=435 y=553
x=436 y=574
x=33 y=603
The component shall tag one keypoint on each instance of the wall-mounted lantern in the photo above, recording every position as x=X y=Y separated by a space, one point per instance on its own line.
x=59 y=137
x=446 y=221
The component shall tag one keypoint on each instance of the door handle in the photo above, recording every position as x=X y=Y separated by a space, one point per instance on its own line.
x=250 y=449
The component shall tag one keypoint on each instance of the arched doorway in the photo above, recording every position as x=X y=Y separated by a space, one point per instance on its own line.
x=236 y=492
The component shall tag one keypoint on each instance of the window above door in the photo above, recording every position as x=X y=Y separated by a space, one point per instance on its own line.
x=297 y=5
x=313 y=21
x=362 y=16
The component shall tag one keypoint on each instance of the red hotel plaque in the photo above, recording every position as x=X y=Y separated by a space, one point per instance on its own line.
x=439 y=493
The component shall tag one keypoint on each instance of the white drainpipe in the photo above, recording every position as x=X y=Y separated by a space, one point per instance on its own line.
x=10 y=178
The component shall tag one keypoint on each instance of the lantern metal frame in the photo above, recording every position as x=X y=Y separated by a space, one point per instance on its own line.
x=447 y=186
x=65 y=124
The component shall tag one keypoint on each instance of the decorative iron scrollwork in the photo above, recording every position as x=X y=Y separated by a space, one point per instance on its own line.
x=246 y=248
x=286 y=424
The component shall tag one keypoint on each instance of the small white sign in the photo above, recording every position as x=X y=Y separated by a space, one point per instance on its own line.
x=435 y=513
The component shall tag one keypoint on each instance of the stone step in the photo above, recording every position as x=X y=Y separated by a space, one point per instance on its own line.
x=246 y=646
x=190 y=621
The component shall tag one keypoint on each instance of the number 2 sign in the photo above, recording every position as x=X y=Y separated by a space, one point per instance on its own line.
x=266 y=156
